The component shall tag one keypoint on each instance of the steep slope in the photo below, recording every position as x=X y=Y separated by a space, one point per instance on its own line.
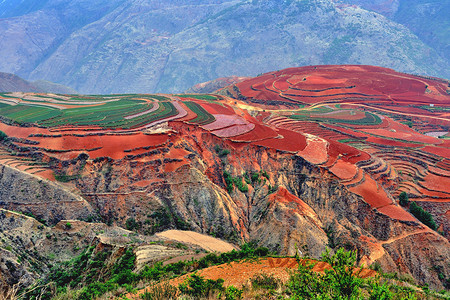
x=166 y=46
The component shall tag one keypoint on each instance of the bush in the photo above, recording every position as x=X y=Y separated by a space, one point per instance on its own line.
x=131 y=224
x=160 y=291
x=339 y=282
x=3 y=136
x=403 y=199
x=68 y=225
x=228 y=181
x=242 y=186
x=196 y=286
x=264 y=281
x=424 y=216
x=233 y=293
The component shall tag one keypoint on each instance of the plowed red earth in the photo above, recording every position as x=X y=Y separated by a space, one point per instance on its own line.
x=312 y=82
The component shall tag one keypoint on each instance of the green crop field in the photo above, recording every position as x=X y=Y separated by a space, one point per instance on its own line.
x=203 y=117
x=122 y=112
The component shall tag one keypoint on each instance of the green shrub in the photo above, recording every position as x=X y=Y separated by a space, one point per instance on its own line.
x=68 y=225
x=196 y=286
x=424 y=216
x=339 y=282
x=233 y=293
x=379 y=292
x=160 y=291
x=131 y=224
x=264 y=281
x=242 y=186
x=3 y=136
x=403 y=199
x=228 y=181
x=224 y=152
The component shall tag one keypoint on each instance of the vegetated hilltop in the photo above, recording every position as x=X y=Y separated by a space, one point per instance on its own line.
x=306 y=158
x=126 y=46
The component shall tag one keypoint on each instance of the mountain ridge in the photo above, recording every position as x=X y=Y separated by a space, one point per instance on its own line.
x=168 y=47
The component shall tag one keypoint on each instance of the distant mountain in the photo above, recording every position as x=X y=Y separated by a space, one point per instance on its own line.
x=428 y=19
x=13 y=83
x=119 y=46
x=51 y=87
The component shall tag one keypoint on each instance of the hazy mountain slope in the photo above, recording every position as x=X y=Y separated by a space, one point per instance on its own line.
x=305 y=32
x=51 y=87
x=13 y=83
x=36 y=28
x=428 y=19
x=145 y=46
x=125 y=51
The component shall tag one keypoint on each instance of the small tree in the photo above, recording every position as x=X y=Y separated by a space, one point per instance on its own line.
x=3 y=136
x=403 y=199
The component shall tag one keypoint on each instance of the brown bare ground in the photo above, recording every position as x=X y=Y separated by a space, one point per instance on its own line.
x=204 y=241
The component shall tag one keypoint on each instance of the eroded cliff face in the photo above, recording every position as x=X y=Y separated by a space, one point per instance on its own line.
x=46 y=200
x=289 y=205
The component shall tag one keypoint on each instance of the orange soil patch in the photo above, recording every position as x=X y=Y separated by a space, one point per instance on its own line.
x=47 y=174
x=22 y=132
x=173 y=166
x=111 y=145
x=344 y=170
x=216 y=109
x=396 y=212
x=283 y=196
x=239 y=273
x=315 y=151
x=372 y=193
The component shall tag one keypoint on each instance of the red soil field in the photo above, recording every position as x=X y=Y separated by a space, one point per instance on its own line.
x=392 y=143
x=291 y=141
x=344 y=170
x=215 y=109
x=260 y=132
x=372 y=193
x=362 y=81
x=442 y=150
x=396 y=212
x=436 y=183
